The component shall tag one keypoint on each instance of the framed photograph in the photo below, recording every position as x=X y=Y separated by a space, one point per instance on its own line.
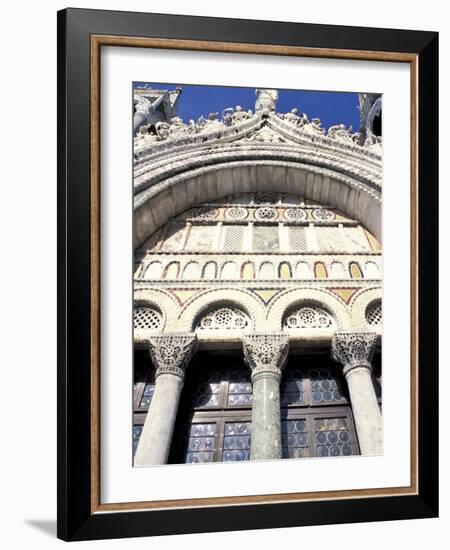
x=247 y=274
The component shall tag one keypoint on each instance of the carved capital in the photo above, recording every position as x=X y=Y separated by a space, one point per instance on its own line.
x=265 y=353
x=353 y=348
x=171 y=353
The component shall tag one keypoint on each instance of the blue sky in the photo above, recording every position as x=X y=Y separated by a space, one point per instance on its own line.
x=331 y=107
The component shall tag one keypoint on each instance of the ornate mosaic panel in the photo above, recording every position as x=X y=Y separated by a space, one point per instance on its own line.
x=295 y=214
x=266 y=238
x=297 y=239
x=236 y=213
x=322 y=214
x=173 y=237
x=355 y=239
x=233 y=238
x=236 y=441
x=330 y=239
x=201 y=239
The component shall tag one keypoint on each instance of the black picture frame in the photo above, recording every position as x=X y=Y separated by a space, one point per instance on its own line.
x=77 y=518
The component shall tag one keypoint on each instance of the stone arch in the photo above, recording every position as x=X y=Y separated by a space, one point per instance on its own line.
x=320 y=270
x=160 y=301
x=241 y=299
x=191 y=271
x=289 y=299
x=153 y=270
x=355 y=270
x=229 y=270
x=284 y=270
x=337 y=271
x=360 y=304
x=303 y=271
x=166 y=198
x=266 y=271
x=209 y=270
x=172 y=270
x=248 y=270
x=371 y=270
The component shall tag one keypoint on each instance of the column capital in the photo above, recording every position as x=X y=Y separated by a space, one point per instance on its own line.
x=171 y=353
x=265 y=352
x=353 y=348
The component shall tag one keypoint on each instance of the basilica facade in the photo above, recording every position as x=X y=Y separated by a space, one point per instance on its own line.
x=257 y=283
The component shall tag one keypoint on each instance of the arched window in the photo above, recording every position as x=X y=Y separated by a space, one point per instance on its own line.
x=224 y=318
x=308 y=316
x=146 y=318
x=374 y=314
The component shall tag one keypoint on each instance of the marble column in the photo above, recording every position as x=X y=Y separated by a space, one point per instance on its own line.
x=266 y=354
x=170 y=355
x=354 y=350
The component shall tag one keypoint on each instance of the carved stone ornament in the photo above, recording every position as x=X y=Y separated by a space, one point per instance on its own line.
x=353 y=348
x=171 y=353
x=265 y=353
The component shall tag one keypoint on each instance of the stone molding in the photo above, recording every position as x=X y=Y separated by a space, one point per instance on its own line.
x=240 y=124
x=265 y=354
x=171 y=353
x=162 y=200
x=353 y=349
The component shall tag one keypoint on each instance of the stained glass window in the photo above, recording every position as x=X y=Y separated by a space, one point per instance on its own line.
x=295 y=439
x=201 y=442
x=214 y=417
x=137 y=430
x=236 y=441
x=325 y=386
x=239 y=388
x=316 y=420
x=332 y=437
x=292 y=387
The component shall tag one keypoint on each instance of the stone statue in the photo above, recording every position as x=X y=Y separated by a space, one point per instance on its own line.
x=266 y=100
